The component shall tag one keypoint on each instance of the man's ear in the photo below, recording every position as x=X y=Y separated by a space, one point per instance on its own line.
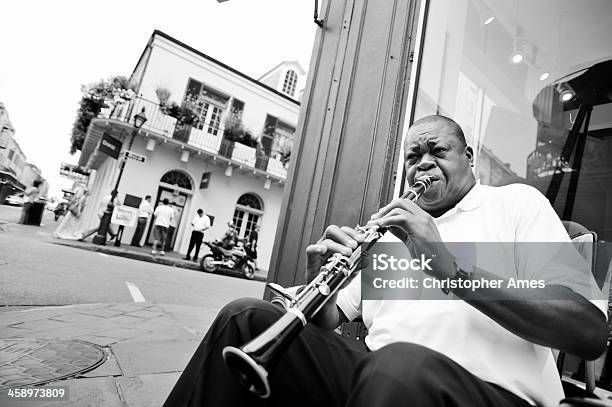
x=469 y=153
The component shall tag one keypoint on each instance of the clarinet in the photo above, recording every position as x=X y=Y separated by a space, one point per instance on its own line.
x=251 y=362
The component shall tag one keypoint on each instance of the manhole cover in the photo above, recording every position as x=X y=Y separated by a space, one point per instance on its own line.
x=35 y=361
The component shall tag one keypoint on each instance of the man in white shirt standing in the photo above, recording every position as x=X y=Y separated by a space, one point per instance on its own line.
x=144 y=211
x=200 y=223
x=164 y=216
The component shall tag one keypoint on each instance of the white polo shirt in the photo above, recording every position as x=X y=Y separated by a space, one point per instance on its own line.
x=513 y=213
x=145 y=209
x=200 y=223
x=164 y=216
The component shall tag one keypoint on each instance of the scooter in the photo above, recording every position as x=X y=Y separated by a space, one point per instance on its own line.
x=235 y=258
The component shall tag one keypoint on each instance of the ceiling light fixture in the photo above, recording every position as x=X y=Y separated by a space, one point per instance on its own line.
x=522 y=51
x=486 y=16
x=566 y=93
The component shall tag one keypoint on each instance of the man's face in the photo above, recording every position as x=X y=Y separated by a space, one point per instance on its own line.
x=431 y=148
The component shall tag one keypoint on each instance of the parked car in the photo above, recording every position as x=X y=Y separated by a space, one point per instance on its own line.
x=14 y=200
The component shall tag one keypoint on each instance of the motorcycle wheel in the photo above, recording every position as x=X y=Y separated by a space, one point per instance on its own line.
x=206 y=264
x=248 y=271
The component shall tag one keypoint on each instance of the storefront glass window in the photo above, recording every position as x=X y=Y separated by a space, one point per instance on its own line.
x=518 y=76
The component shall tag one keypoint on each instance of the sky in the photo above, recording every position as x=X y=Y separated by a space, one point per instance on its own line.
x=48 y=49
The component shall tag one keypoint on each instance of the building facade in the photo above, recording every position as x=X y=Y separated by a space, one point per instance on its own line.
x=287 y=77
x=214 y=139
x=15 y=172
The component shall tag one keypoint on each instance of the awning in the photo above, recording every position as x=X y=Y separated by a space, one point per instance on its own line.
x=8 y=178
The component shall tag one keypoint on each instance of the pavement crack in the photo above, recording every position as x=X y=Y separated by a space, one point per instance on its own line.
x=120 y=392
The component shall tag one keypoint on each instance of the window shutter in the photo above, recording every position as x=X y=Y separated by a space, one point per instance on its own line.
x=269 y=130
x=193 y=88
x=237 y=108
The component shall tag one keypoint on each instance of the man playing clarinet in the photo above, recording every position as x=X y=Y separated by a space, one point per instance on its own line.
x=488 y=347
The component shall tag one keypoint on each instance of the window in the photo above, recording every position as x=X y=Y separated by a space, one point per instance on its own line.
x=11 y=154
x=178 y=178
x=517 y=93
x=290 y=82
x=277 y=139
x=208 y=104
x=248 y=210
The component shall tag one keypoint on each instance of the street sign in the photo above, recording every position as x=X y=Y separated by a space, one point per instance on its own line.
x=134 y=156
x=110 y=145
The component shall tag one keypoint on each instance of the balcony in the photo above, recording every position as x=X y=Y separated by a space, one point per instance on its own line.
x=208 y=139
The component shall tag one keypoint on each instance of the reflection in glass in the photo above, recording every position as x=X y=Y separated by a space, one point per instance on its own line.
x=532 y=90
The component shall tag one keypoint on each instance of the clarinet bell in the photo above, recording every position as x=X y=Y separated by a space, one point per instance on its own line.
x=250 y=375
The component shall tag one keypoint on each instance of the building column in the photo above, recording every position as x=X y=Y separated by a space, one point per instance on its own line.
x=346 y=155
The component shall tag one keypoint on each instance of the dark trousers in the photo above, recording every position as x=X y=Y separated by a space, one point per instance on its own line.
x=169 y=239
x=195 y=241
x=25 y=213
x=322 y=368
x=140 y=227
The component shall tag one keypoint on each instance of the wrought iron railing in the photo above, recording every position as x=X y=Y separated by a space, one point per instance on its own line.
x=163 y=124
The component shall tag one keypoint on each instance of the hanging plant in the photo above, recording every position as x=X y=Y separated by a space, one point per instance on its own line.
x=100 y=95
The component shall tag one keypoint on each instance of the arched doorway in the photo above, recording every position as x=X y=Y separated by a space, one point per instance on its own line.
x=177 y=187
x=249 y=209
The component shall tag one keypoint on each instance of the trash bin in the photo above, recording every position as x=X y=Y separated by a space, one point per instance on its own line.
x=35 y=214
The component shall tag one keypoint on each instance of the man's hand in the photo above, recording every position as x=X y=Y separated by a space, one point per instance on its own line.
x=417 y=229
x=336 y=239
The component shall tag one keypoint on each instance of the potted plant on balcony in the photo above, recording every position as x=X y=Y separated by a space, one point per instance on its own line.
x=235 y=132
x=185 y=119
x=163 y=95
x=113 y=93
x=261 y=158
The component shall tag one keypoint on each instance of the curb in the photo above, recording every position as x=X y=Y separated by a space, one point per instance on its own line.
x=167 y=261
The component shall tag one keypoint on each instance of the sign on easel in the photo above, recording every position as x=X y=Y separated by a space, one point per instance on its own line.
x=124 y=215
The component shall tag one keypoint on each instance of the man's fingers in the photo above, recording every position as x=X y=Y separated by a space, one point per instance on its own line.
x=344 y=236
x=316 y=249
x=394 y=204
x=335 y=247
x=353 y=234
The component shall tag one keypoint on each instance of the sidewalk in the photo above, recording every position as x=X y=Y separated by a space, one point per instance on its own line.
x=144 y=254
x=143 y=348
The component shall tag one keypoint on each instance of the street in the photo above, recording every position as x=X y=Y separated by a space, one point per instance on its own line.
x=60 y=305
x=35 y=271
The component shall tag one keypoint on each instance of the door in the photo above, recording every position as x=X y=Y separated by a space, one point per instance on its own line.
x=180 y=200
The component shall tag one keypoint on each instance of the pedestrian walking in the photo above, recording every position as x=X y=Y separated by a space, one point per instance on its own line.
x=252 y=246
x=164 y=215
x=70 y=228
x=30 y=197
x=144 y=211
x=172 y=228
x=200 y=223
x=102 y=208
